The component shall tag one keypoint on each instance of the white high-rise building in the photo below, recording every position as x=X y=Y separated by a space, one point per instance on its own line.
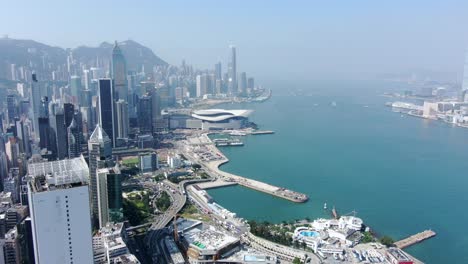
x=58 y=195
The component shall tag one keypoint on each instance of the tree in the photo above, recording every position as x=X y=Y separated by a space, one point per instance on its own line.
x=367 y=237
x=387 y=241
x=296 y=261
x=304 y=245
x=296 y=244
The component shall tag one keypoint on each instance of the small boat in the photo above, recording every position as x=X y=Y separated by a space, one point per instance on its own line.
x=325 y=206
x=333 y=103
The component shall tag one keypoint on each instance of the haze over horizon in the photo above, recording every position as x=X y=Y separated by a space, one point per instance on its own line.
x=298 y=39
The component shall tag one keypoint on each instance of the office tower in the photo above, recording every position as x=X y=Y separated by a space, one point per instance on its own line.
x=44 y=110
x=100 y=156
x=251 y=83
x=86 y=98
x=121 y=118
x=22 y=133
x=36 y=102
x=218 y=71
x=232 y=72
x=145 y=115
x=58 y=130
x=11 y=108
x=242 y=87
x=11 y=248
x=109 y=194
x=75 y=88
x=69 y=112
x=156 y=105
x=202 y=85
x=87 y=79
x=44 y=133
x=75 y=138
x=106 y=108
x=58 y=196
x=148 y=162
x=119 y=74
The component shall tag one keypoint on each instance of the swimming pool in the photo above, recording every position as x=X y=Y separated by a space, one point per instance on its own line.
x=309 y=233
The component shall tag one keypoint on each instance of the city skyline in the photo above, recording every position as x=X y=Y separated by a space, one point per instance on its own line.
x=320 y=39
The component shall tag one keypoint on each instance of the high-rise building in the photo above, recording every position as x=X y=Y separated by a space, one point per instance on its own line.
x=87 y=79
x=109 y=194
x=100 y=156
x=148 y=162
x=22 y=133
x=251 y=83
x=74 y=139
x=75 y=88
x=119 y=74
x=145 y=114
x=44 y=133
x=202 y=85
x=36 y=102
x=12 y=248
x=156 y=105
x=106 y=108
x=465 y=73
x=69 y=112
x=121 y=119
x=59 y=205
x=242 y=87
x=58 y=131
x=218 y=71
x=232 y=71
x=11 y=108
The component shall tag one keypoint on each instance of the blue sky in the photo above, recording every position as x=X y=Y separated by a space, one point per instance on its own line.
x=298 y=39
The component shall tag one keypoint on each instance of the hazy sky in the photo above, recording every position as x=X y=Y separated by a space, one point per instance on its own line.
x=306 y=39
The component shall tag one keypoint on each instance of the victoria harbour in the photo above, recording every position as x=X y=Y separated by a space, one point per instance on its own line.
x=337 y=142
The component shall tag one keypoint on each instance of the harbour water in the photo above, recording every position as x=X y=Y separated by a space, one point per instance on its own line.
x=401 y=174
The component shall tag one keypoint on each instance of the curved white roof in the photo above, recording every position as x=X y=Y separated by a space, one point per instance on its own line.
x=216 y=115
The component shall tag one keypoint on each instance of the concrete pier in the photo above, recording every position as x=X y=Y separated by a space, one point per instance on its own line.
x=202 y=150
x=414 y=239
x=215 y=184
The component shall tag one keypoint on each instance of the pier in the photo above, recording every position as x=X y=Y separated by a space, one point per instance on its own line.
x=414 y=239
x=203 y=150
x=215 y=184
x=213 y=166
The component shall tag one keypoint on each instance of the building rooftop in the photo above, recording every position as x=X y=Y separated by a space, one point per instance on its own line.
x=216 y=115
x=98 y=135
x=398 y=254
x=45 y=176
x=208 y=238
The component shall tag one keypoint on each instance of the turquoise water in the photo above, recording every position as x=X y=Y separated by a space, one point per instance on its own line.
x=309 y=233
x=402 y=175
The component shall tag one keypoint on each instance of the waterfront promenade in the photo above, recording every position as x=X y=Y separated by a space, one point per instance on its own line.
x=211 y=158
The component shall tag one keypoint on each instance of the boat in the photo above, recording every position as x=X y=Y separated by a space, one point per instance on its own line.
x=325 y=206
x=333 y=103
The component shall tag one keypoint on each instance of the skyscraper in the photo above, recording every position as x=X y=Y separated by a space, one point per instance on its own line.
x=145 y=116
x=121 y=118
x=58 y=130
x=100 y=156
x=218 y=71
x=75 y=138
x=119 y=74
x=11 y=108
x=109 y=188
x=106 y=108
x=75 y=88
x=36 y=102
x=242 y=84
x=60 y=213
x=232 y=71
